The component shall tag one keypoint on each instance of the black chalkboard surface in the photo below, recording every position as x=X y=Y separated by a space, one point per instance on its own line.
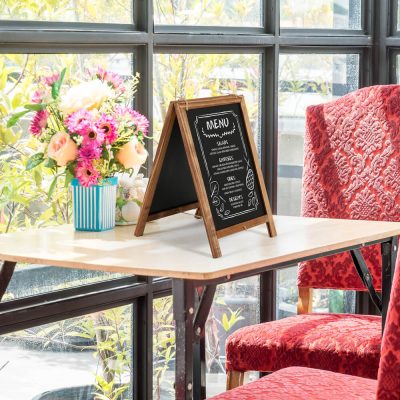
x=226 y=164
x=207 y=160
x=175 y=185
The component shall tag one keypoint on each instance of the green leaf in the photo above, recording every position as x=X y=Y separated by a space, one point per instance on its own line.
x=38 y=177
x=121 y=202
x=56 y=86
x=15 y=118
x=34 y=161
x=52 y=187
x=68 y=177
x=35 y=107
x=51 y=163
x=225 y=322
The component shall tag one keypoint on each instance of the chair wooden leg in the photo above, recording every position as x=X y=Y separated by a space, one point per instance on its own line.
x=304 y=304
x=234 y=379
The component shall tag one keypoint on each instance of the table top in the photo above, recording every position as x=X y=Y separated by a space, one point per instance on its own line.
x=177 y=246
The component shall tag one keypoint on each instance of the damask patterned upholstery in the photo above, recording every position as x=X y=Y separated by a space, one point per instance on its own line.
x=348 y=344
x=297 y=383
x=351 y=171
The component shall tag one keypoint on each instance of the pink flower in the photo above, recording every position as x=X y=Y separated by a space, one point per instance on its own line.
x=112 y=78
x=108 y=125
x=86 y=173
x=39 y=122
x=90 y=151
x=140 y=122
x=50 y=80
x=92 y=135
x=79 y=121
x=37 y=97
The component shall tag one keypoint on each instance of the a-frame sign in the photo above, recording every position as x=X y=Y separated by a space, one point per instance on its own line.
x=207 y=160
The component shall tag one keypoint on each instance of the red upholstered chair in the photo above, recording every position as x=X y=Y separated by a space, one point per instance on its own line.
x=351 y=170
x=300 y=383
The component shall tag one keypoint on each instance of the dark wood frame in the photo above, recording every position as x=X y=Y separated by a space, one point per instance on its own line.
x=178 y=109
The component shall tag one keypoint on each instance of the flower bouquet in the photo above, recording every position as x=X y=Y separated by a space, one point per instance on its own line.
x=90 y=133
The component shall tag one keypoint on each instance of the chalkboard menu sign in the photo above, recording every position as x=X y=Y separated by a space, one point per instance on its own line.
x=207 y=160
x=226 y=164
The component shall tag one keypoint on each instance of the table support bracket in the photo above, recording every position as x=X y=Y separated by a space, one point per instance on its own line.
x=6 y=273
x=366 y=277
x=389 y=251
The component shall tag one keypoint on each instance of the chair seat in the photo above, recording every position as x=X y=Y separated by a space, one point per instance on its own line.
x=297 y=383
x=344 y=343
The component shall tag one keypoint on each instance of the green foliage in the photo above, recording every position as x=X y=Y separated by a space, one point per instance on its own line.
x=229 y=322
x=56 y=86
x=67 y=10
x=163 y=343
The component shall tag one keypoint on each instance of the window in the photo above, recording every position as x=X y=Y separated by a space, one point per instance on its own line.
x=240 y=13
x=100 y=11
x=321 y=14
x=74 y=358
x=188 y=76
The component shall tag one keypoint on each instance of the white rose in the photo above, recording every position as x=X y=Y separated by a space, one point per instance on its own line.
x=88 y=95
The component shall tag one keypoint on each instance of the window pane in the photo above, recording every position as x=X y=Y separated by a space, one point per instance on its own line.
x=24 y=201
x=72 y=359
x=163 y=349
x=306 y=79
x=208 y=13
x=202 y=75
x=323 y=14
x=236 y=304
x=100 y=11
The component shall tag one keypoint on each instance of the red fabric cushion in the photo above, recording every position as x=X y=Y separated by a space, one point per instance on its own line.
x=304 y=384
x=389 y=367
x=343 y=343
x=351 y=171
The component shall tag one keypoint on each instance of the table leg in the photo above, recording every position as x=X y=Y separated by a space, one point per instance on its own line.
x=203 y=310
x=6 y=273
x=389 y=255
x=183 y=293
x=190 y=368
x=142 y=372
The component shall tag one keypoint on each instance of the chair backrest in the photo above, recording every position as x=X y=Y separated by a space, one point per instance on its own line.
x=389 y=365
x=351 y=171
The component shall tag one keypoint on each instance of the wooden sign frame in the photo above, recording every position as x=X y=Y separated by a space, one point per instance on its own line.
x=178 y=110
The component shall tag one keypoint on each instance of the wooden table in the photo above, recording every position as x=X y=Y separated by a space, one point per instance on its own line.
x=177 y=247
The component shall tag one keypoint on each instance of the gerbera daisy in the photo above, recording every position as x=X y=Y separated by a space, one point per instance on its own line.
x=92 y=134
x=86 y=173
x=39 y=122
x=90 y=151
x=37 y=97
x=112 y=78
x=139 y=122
x=50 y=80
x=79 y=121
x=108 y=125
